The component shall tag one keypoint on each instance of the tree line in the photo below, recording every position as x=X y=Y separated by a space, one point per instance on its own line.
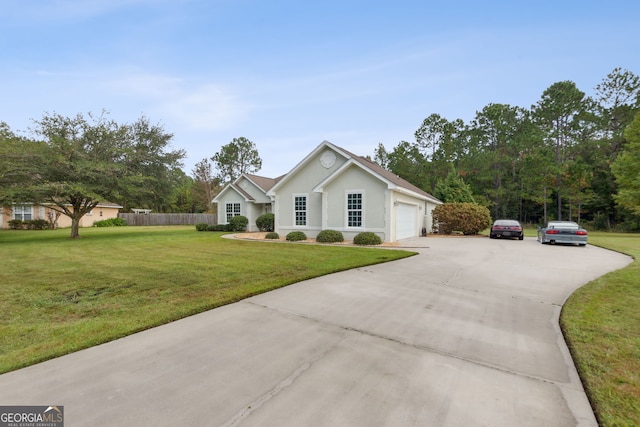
x=570 y=156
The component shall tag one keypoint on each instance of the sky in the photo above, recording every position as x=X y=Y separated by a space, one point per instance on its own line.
x=289 y=74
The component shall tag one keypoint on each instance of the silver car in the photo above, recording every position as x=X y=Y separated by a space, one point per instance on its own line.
x=562 y=232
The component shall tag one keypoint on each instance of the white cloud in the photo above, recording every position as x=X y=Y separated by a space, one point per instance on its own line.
x=206 y=106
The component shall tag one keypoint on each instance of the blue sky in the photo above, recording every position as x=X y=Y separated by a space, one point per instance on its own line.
x=289 y=74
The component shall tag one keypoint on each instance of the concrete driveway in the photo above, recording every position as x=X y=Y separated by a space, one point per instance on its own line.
x=464 y=334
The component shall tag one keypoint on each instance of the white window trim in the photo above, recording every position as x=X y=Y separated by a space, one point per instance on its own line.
x=233 y=211
x=306 y=209
x=346 y=209
x=23 y=209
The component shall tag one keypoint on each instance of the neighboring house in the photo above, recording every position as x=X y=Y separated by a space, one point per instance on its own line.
x=333 y=189
x=25 y=212
x=246 y=196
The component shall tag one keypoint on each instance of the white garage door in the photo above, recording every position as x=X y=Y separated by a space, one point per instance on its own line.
x=406 y=220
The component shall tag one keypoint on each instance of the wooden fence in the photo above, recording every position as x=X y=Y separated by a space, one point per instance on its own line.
x=168 y=218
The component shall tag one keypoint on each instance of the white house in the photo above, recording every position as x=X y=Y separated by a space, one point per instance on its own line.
x=332 y=188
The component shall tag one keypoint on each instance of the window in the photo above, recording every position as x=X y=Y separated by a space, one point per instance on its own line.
x=300 y=209
x=23 y=212
x=233 y=209
x=354 y=209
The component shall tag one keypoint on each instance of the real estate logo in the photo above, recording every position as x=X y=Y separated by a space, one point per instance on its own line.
x=32 y=416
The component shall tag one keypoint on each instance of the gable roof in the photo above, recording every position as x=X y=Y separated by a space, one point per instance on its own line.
x=261 y=182
x=392 y=180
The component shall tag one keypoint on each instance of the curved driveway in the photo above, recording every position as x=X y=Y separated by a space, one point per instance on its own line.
x=463 y=334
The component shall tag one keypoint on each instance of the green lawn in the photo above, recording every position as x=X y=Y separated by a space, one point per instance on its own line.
x=59 y=295
x=601 y=323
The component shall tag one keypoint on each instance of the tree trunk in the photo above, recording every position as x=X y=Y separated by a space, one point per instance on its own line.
x=75 y=227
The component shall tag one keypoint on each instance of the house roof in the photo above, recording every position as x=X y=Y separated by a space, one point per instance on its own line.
x=392 y=179
x=263 y=182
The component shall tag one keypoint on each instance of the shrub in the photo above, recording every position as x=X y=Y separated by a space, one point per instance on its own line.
x=238 y=223
x=329 y=236
x=217 y=227
x=265 y=222
x=15 y=224
x=40 y=224
x=367 y=238
x=272 y=235
x=468 y=218
x=202 y=226
x=111 y=222
x=296 y=236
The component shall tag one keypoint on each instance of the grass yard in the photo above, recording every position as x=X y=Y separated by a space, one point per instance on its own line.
x=59 y=295
x=601 y=323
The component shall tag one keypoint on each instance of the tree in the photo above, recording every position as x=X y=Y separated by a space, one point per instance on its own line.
x=237 y=157
x=558 y=113
x=453 y=189
x=18 y=162
x=625 y=169
x=206 y=183
x=83 y=162
x=407 y=162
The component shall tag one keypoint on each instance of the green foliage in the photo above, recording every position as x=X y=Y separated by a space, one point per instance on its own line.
x=453 y=189
x=329 y=236
x=467 y=218
x=626 y=168
x=272 y=235
x=219 y=227
x=202 y=226
x=30 y=224
x=111 y=222
x=367 y=238
x=238 y=157
x=296 y=236
x=84 y=161
x=15 y=224
x=265 y=222
x=238 y=223
x=39 y=224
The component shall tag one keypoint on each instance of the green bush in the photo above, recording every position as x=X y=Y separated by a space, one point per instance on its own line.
x=296 y=236
x=40 y=224
x=329 y=236
x=111 y=222
x=467 y=218
x=272 y=235
x=367 y=238
x=238 y=223
x=15 y=224
x=218 y=227
x=265 y=222
x=202 y=226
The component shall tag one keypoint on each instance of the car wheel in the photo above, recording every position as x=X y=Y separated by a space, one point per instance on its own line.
x=521 y=237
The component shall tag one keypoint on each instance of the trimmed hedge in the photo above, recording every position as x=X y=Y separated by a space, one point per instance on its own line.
x=238 y=223
x=367 y=238
x=272 y=235
x=468 y=218
x=111 y=222
x=296 y=236
x=265 y=222
x=30 y=224
x=202 y=226
x=329 y=236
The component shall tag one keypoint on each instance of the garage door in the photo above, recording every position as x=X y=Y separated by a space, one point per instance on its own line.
x=406 y=220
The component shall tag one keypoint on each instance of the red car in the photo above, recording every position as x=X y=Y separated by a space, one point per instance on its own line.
x=508 y=228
